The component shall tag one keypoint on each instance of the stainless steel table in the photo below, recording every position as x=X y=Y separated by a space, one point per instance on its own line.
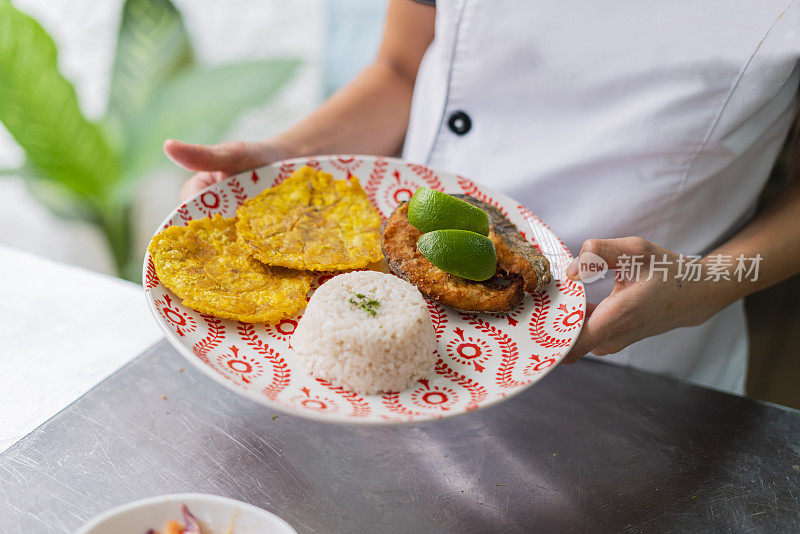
x=592 y=447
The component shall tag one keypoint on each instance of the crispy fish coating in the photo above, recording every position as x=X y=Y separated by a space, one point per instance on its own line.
x=501 y=293
x=514 y=253
x=312 y=221
x=213 y=273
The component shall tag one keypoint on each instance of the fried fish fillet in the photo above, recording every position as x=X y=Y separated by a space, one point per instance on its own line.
x=520 y=265
x=514 y=253
x=312 y=221
x=205 y=265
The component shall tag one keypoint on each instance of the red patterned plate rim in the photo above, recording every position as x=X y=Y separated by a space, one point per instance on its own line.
x=462 y=370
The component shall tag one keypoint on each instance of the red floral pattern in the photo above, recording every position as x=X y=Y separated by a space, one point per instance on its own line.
x=238 y=190
x=471 y=188
x=150 y=276
x=284 y=171
x=283 y=329
x=181 y=319
x=438 y=317
x=568 y=318
x=241 y=365
x=280 y=371
x=434 y=397
x=216 y=202
x=347 y=165
x=308 y=401
x=428 y=175
x=212 y=339
x=183 y=213
x=513 y=316
x=538 y=328
x=467 y=350
x=361 y=407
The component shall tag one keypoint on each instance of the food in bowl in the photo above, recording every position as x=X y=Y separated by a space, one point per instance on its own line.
x=368 y=332
x=190 y=525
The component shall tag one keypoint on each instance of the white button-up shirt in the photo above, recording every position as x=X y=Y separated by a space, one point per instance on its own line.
x=610 y=119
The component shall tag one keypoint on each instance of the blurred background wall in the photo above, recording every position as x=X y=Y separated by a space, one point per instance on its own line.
x=333 y=39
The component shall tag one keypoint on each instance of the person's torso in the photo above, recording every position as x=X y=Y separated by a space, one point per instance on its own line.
x=656 y=119
x=610 y=111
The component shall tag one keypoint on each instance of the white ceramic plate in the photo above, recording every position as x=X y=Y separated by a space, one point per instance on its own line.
x=215 y=513
x=481 y=359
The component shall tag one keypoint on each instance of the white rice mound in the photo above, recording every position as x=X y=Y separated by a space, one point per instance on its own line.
x=344 y=343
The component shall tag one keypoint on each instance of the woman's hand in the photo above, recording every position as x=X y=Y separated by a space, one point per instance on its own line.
x=651 y=295
x=638 y=308
x=217 y=162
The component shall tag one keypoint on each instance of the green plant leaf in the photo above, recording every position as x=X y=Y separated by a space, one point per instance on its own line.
x=39 y=108
x=12 y=173
x=61 y=201
x=152 y=46
x=200 y=105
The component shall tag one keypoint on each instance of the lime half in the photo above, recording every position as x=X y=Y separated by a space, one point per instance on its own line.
x=460 y=252
x=430 y=210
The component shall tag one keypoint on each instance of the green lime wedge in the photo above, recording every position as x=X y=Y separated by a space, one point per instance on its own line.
x=460 y=252
x=430 y=210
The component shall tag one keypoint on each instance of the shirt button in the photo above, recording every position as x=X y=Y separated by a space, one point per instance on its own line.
x=459 y=123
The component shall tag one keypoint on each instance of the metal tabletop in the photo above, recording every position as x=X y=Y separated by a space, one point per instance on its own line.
x=591 y=447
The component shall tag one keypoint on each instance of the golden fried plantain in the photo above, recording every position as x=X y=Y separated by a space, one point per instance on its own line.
x=312 y=221
x=205 y=265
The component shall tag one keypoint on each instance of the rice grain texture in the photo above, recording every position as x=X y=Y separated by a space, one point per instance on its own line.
x=366 y=331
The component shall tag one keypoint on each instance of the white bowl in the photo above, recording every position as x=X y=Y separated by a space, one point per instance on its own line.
x=215 y=514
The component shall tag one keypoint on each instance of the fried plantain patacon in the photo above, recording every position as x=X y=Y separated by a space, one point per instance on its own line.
x=205 y=265
x=520 y=265
x=312 y=221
